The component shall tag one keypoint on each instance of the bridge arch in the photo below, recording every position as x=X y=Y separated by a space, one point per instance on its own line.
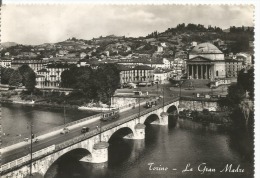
x=172 y=116
x=151 y=118
x=172 y=110
x=123 y=131
x=48 y=163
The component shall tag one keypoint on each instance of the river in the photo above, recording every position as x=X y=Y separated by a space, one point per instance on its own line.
x=181 y=144
x=174 y=146
x=16 y=119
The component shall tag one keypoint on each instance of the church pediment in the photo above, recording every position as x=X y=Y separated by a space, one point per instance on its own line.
x=199 y=59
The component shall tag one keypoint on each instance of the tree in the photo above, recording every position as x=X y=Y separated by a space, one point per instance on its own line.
x=246 y=107
x=6 y=75
x=67 y=79
x=15 y=79
x=245 y=78
x=30 y=81
x=28 y=77
x=237 y=102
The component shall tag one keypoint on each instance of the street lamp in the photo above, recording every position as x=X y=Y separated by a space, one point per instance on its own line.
x=64 y=114
x=157 y=84
x=163 y=98
x=180 y=87
x=99 y=130
x=31 y=150
x=139 y=109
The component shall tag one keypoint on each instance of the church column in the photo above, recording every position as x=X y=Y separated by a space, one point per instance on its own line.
x=206 y=71
x=212 y=72
x=188 y=71
x=192 y=71
x=197 y=72
x=201 y=72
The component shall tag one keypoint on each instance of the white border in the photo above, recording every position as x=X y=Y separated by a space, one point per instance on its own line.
x=256 y=3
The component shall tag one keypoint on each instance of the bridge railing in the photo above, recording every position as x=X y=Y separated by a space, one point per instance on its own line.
x=27 y=158
x=54 y=148
x=53 y=129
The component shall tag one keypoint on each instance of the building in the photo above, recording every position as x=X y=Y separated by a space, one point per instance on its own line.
x=34 y=63
x=162 y=76
x=6 y=62
x=206 y=61
x=193 y=43
x=51 y=75
x=233 y=66
x=159 y=49
x=137 y=75
x=245 y=58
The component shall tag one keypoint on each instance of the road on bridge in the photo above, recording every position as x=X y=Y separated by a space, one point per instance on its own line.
x=17 y=153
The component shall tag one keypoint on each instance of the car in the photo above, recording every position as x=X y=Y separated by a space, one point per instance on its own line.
x=65 y=130
x=84 y=129
x=36 y=140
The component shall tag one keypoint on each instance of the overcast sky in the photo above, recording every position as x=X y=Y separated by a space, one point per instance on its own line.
x=37 y=24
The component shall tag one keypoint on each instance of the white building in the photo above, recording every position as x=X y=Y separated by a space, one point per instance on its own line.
x=161 y=77
x=82 y=55
x=159 y=49
x=245 y=58
x=193 y=43
x=6 y=62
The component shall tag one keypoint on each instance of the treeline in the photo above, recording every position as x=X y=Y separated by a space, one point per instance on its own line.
x=23 y=76
x=234 y=29
x=184 y=28
x=92 y=84
x=240 y=100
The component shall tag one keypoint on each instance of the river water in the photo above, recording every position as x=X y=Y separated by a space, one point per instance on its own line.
x=16 y=119
x=173 y=146
x=170 y=147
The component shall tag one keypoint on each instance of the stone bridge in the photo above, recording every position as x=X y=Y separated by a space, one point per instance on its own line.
x=94 y=142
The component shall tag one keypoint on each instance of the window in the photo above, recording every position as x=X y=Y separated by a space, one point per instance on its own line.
x=217 y=73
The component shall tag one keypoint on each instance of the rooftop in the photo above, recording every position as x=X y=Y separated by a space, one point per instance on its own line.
x=205 y=48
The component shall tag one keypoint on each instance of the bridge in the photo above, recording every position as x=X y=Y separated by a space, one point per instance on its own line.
x=19 y=163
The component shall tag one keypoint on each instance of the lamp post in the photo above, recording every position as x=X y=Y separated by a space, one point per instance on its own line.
x=163 y=98
x=31 y=150
x=157 y=87
x=64 y=114
x=99 y=127
x=139 y=109
x=180 y=87
x=99 y=130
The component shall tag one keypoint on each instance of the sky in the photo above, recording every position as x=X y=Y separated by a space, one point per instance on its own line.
x=37 y=24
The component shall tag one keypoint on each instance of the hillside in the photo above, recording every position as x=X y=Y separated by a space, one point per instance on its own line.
x=8 y=44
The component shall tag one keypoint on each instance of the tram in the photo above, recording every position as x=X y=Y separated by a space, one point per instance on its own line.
x=151 y=103
x=113 y=114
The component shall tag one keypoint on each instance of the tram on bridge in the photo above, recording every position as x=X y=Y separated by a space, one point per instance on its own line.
x=113 y=114
x=151 y=103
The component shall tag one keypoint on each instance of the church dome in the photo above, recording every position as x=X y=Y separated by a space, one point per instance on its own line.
x=205 y=48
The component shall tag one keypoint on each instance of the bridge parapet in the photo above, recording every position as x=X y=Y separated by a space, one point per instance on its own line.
x=55 y=129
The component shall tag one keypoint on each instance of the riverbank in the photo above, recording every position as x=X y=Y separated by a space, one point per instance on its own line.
x=206 y=117
x=52 y=105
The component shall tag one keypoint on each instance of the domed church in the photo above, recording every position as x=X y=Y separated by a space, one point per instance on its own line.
x=206 y=61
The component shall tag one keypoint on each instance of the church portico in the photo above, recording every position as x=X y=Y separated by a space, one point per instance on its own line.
x=200 y=71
